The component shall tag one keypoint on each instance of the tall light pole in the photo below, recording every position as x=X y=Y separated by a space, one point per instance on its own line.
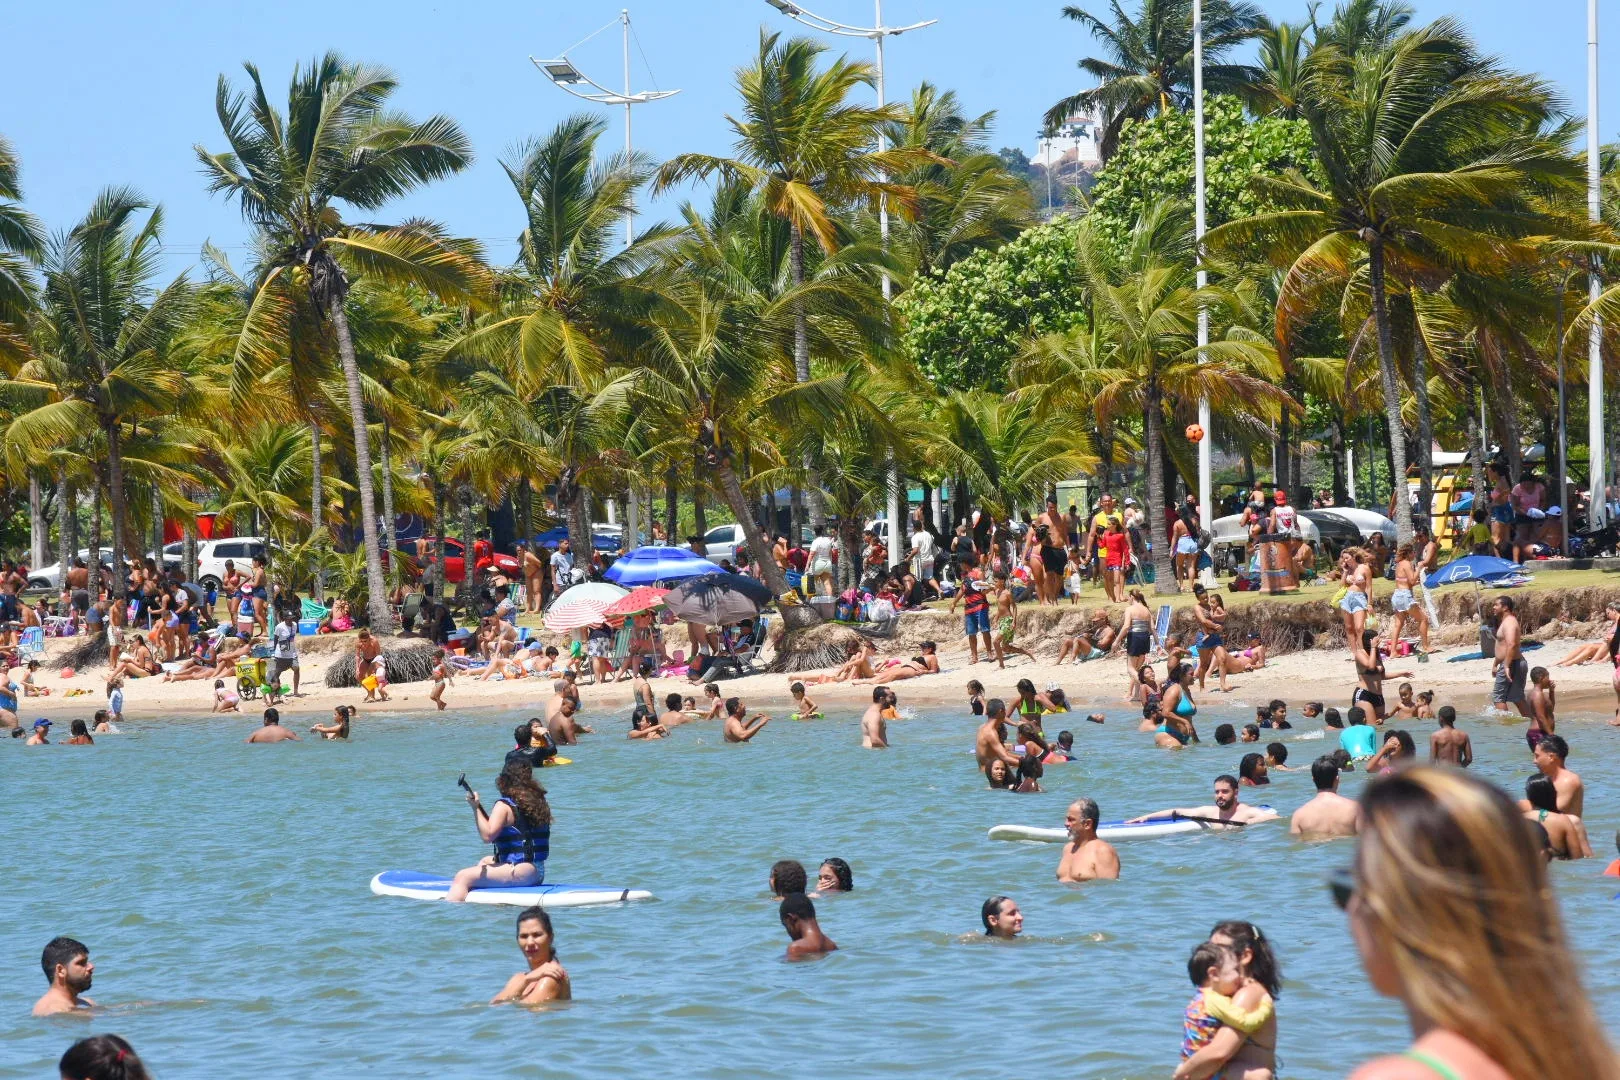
x=1598 y=450
x=568 y=77
x=876 y=32
x=563 y=72
x=1206 y=493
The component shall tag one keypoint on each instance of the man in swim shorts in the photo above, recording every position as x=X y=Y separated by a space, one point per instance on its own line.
x=1328 y=814
x=272 y=731
x=1054 y=550
x=1085 y=857
x=68 y=969
x=1227 y=808
x=1509 y=667
x=1006 y=623
x=565 y=731
x=736 y=730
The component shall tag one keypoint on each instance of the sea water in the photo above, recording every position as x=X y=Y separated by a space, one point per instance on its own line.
x=222 y=889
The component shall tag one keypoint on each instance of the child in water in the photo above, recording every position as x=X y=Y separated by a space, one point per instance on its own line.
x=975 y=691
x=441 y=678
x=804 y=708
x=1213 y=969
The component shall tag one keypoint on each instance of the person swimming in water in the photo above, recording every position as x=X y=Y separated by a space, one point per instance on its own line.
x=1176 y=710
x=834 y=876
x=546 y=979
x=1227 y=808
x=1001 y=918
x=519 y=827
x=798 y=916
x=69 y=971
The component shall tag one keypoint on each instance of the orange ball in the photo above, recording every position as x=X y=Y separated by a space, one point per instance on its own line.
x=67 y=673
x=1195 y=433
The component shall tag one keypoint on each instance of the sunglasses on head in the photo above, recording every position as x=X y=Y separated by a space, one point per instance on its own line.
x=1342 y=884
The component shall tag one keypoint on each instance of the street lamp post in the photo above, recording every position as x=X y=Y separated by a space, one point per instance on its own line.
x=876 y=32
x=1598 y=510
x=1206 y=494
x=568 y=77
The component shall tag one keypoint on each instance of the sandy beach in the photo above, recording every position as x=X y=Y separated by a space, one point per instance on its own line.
x=1320 y=674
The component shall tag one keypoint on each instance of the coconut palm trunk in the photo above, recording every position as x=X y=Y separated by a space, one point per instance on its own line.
x=1153 y=422
x=1392 y=390
x=795 y=616
x=64 y=524
x=801 y=372
x=579 y=531
x=1425 y=444
x=464 y=587
x=389 y=542
x=317 y=502
x=38 y=527
x=435 y=579
x=382 y=617
x=115 y=503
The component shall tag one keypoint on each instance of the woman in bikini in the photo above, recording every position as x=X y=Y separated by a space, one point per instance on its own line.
x=1595 y=650
x=1353 y=597
x=1176 y=711
x=1448 y=894
x=858 y=666
x=926 y=664
x=1370 y=676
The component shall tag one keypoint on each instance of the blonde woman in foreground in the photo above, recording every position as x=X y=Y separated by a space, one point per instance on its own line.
x=1451 y=911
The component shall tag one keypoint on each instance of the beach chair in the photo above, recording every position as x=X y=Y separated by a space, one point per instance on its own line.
x=744 y=653
x=31 y=644
x=1161 y=627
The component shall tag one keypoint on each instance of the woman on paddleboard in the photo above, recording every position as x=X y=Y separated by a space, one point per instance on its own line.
x=520 y=829
x=545 y=980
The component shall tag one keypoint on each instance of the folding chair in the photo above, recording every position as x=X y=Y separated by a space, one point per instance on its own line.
x=31 y=644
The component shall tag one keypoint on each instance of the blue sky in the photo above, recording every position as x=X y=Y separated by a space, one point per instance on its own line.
x=104 y=92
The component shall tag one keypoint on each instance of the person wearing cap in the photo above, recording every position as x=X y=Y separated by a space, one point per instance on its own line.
x=1276 y=546
x=42 y=728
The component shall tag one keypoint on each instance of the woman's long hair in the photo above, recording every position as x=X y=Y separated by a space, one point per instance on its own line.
x=516 y=782
x=102 y=1057
x=1457 y=895
x=1247 y=937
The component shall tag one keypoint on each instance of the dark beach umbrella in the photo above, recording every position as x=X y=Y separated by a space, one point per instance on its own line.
x=718 y=599
x=1481 y=568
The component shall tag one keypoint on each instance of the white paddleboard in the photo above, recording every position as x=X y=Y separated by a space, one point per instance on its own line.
x=1112 y=831
x=418 y=886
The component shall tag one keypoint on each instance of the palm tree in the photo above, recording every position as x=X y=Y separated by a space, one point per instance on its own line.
x=1362 y=24
x=1283 y=49
x=576 y=301
x=810 y=154
x=1147 y=63
x=22 y=243
x=336 y=145
x=1139 y=353
x=966 y=199
x=102 y=359
x=1435 y=163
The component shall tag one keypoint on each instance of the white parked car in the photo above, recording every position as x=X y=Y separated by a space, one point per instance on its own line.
x=50 y=577
x=1368 y=521
x=1229 y=538
x=722 y=542
x=211 y=556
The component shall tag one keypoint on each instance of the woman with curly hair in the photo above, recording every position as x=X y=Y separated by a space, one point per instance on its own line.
x=519 y=827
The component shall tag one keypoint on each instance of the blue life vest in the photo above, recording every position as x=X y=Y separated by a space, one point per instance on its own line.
x=518 y=844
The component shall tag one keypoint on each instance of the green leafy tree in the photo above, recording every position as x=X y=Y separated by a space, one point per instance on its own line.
x=290 y=173
x=964 y=327
x=1155 y=163
x=22 y=243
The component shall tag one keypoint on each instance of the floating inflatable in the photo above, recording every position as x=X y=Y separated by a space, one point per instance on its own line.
x=413 y=885
x=1112 y=831
x=558 y=760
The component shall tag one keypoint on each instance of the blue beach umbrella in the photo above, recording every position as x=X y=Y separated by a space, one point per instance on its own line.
x=1483 y=568
x=654 y=563
x=1464 y=503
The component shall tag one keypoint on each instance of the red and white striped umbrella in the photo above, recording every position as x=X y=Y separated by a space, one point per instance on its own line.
x=582 y=605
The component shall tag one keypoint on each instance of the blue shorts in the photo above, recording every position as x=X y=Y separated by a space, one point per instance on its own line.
x=977 y=622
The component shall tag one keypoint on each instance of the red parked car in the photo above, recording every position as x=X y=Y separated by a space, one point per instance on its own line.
x=455 y=562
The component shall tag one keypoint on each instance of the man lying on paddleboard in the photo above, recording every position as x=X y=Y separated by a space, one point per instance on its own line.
x=1227 y=808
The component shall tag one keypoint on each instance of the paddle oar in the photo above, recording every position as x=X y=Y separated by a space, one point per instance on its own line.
x=461 y=782
x=1206 y=820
